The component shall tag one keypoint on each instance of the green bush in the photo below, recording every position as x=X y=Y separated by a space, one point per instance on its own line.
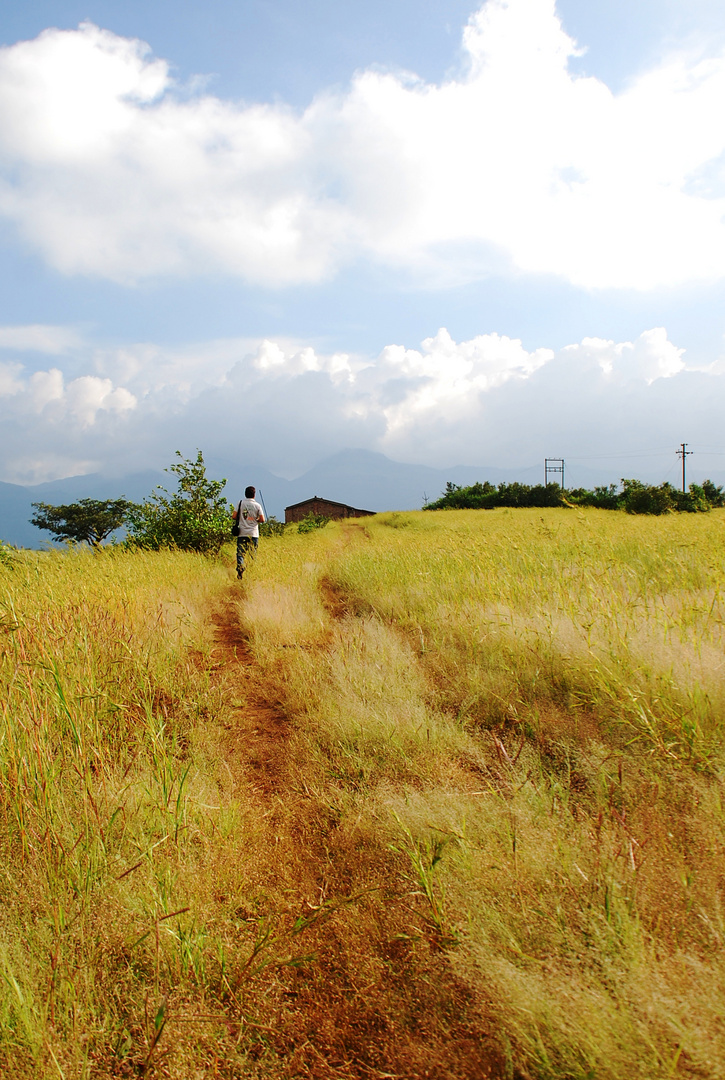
x=312 y=521
x=635 y=497
x=714 y=495
x=486 y=496
x=271 y=527
x=194 y=518
x=6 y=554
x=639 y=498
x=605 y=498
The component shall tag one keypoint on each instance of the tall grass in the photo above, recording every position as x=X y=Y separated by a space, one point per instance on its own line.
x=528 y=706
x=118 y=823
x=499 y=766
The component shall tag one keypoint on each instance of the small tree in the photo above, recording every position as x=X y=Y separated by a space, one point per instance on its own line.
x=194 y=518
x=89 y=520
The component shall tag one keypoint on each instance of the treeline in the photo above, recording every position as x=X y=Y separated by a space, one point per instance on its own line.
x=195 y=517
x=631 y=495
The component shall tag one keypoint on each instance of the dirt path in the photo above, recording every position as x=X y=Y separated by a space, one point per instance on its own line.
x=378 y=999
x=258 y=730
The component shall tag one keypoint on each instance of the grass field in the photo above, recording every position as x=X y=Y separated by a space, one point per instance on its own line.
x=431 y=795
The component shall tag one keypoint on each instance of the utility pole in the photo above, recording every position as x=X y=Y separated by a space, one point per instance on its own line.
x=557 y=466
x=683 y=452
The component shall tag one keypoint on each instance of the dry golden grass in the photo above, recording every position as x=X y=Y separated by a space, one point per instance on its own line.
x=433 y=795
x=529 y=706
x=127 y=911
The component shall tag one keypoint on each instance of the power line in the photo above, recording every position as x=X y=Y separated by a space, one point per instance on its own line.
x=632 y=454
x=555 y=466
x=670 y=471
x=700 y=451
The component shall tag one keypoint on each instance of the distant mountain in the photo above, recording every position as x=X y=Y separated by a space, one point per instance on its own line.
x=275 y=489
x=361 y=478
x=372 y=481
x=16 y=509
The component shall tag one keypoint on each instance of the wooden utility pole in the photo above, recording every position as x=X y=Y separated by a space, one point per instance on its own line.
x=683 y=452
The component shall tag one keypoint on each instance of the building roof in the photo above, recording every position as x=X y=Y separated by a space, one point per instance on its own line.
x=332 y=502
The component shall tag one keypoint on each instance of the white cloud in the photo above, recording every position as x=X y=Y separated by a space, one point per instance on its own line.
x=106 y=170
x=286 y=404
x=46 y=394
x=651 y=357
x=39 y=338
x=10 y=382
x=489 y=398
x=272 y=359
x=444 y=382
x=34 y=467
x=87 y=396
x=44 y=387
x=109 y=174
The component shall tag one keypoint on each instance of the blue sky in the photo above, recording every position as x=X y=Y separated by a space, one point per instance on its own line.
x=446 y=231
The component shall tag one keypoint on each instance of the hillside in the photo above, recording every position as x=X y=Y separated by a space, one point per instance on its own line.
x=431 y=795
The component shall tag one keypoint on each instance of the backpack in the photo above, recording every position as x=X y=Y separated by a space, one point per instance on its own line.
x=235 y=523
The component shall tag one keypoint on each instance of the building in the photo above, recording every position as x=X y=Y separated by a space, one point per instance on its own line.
x=325 y=507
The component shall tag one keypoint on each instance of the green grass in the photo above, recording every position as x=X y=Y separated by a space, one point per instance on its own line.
x=508 y=726
x=544 y=692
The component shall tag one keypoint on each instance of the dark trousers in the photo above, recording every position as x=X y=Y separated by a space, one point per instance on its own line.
x=245 y=544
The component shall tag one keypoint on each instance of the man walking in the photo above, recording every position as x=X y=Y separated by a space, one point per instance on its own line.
x=248 y=516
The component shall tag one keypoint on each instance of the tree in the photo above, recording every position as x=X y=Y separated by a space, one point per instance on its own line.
x=194 y=518
x=89 y=520
x=712 y=493
x=639 y=498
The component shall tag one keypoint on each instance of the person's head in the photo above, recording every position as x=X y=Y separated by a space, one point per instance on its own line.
x=250 y=492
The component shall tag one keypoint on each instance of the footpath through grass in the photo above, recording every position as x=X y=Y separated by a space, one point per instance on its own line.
x=529 y=706
x=489 y=842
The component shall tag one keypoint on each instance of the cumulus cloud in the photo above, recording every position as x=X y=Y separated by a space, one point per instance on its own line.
x=445 y=381
x=272 y=359
x=286 y=405
x=53 y=426
x=106 y=169
x=491 y=400
x=108 y=173
x=47 y=394
x=648 y=358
